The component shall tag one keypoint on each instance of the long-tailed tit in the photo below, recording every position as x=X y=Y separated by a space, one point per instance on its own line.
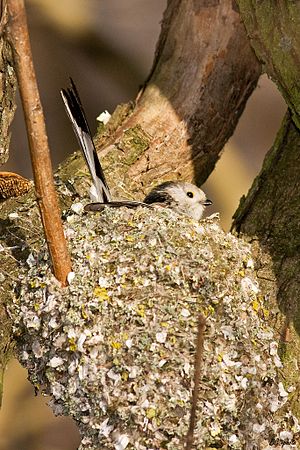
x=179 y=195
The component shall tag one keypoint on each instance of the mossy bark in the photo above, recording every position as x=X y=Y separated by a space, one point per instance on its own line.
x=269 y=216
x=7 y=89
x=274 y=31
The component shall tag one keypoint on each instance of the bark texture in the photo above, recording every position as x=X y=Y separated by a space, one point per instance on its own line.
x=7 y=88
x=274 y=31
x=270 y=217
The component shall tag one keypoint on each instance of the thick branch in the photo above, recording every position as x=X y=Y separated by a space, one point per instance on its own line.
x=203 y=73
x=271 y=212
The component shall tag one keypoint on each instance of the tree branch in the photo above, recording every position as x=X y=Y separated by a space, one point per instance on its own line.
x=203 y=74
x=38 y=142
x=273 y=29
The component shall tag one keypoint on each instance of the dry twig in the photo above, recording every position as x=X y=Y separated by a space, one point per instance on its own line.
x=197 y=373
x=38 y=141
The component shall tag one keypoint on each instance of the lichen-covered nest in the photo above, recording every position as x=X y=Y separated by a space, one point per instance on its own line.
x=115 y=349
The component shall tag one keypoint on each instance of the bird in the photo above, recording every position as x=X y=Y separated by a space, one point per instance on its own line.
x=181 y=196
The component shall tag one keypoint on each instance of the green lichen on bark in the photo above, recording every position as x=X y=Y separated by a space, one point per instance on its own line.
x=134 y=142
x=105 y=132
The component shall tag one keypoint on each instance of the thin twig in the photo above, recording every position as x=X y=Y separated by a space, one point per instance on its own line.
x=38 y=141
x=197 y=373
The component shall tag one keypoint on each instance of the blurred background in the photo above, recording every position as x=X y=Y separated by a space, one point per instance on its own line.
x=107 y=47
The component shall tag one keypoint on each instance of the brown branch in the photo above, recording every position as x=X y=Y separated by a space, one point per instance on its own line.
x=38 y=142
x=197 y=373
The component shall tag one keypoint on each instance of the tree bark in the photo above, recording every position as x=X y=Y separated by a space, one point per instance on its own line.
x=273 y=29
x=202 y=76
x=7 y=88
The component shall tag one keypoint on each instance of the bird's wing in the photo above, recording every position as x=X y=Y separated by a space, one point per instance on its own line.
x=99 y=206
x=81 y=128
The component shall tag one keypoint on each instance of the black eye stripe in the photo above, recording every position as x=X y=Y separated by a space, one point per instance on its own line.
x=190 y=194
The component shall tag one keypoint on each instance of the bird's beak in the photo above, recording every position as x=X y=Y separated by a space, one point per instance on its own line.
x=207 y=202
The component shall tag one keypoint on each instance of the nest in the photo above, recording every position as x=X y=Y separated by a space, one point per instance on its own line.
x=115 y=349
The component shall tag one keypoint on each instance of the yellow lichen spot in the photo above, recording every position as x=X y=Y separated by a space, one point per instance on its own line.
x=124 y=376
x=164 y=324
x=130 y=223
x=129 y=238
x=88 y=257
x=266 y=313
x=101 y=293
x=150 y=413
x=117 y=345
x=211 y=309
x=255 y=305
x=157 y=421
x=137 y=281
x=150 y=303
x=124 y=336
x=172 y=340
x=83 y=312
x=241 y=273
x=220 y=357
x=168 y=267
x=36 y=306
x=32 y=284
x=72 y=345
x=140 y=310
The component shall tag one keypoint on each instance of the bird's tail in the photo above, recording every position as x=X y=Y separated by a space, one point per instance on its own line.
x=81 y=128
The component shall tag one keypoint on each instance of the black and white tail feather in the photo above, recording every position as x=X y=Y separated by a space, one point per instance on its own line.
x=81 y=128
x=181 y=196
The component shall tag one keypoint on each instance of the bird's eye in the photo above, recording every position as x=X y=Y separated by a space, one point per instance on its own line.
x=190 y=194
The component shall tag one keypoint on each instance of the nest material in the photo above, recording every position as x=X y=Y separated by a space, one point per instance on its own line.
x=115 y=349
